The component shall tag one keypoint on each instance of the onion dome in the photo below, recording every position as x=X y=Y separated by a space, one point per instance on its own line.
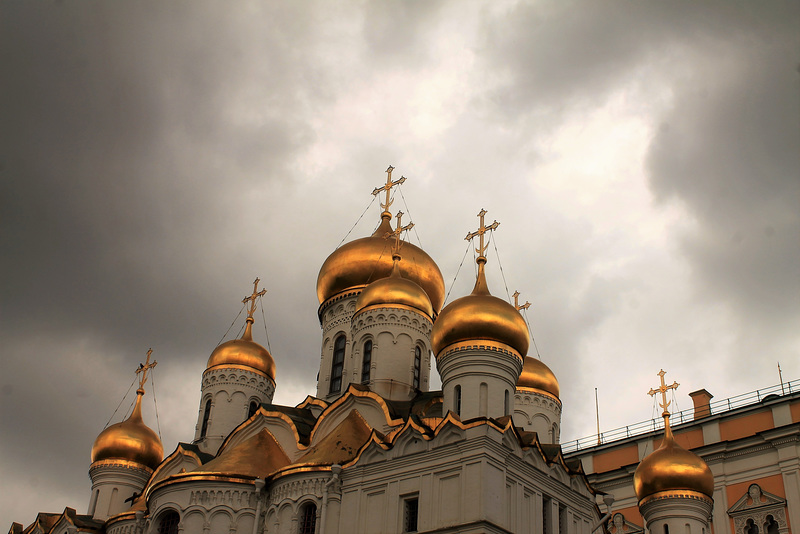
x=671 y=467
x=536 y=375
x=357 y=263
x=130 y=440
x=243 y=352
x=478 y=317
x=395 y=290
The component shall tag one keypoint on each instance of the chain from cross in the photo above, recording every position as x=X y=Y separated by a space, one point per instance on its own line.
x=144 y=367
x=397 y=231
x=482 y=230
x=388 y=188
x=663 y=390
x=252 y=298
x=517 y=304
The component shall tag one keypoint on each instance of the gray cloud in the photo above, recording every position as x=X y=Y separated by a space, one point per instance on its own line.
x=155 y=158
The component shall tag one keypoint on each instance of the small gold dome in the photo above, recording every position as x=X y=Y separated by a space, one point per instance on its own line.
x=244 y=351
x=130 y=440
x=536 y=375
x=357 y=263
x=395 y=289
x=671 y=467
x=480 y=316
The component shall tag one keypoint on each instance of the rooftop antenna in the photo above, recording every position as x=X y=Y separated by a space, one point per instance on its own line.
x=597 y=411
x=780 y=377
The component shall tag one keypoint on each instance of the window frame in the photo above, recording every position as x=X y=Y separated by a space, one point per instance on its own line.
x=366 y=361
x=337 y=363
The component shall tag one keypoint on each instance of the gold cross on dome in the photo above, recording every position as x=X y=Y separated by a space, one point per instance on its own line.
x=517 y=304
x=482 y=230
x=397 y=231
x=252 y=298
x=144 y=367
x=388 y=188
x=663 y=390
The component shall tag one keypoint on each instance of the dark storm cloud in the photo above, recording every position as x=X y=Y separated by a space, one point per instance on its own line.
x=130 y=135
x=730 y=150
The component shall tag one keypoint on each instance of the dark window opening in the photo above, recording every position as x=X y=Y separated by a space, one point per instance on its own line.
x=546 y=512
x=666 y=528
x=169 y=523
x=308 y=519
x=417 y=365
x=338 y=364
x=366 y=362
x=411 y=514
x=771 y=526
x=206 y=415
x=252 y=409
x=457 y=399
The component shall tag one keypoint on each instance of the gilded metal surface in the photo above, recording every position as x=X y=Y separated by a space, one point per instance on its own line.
x=258 y=456
x=395 y=289
x=357 y=263
x=245 y=352
x=388 y=188
x=537 y=376
x=517 y=305
x=129 y=440
x=671 y=467
x=480 y=316
x=680 y=494
x=252 y=298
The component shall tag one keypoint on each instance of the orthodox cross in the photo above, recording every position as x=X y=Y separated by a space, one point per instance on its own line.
x=388 y=188
x=663 y=390
x=516 y=302
x=482 y=230
x=144 y=367
x=252 y=298
x=397 y=231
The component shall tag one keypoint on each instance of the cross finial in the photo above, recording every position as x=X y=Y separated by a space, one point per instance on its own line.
x=397 y=231
x=517 y=304
x=142 y=370
x=663 y=390
x=388 y=188
x=252 y=298
x=482 y=230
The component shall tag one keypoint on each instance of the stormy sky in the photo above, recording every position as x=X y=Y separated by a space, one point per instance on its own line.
x=642 y=158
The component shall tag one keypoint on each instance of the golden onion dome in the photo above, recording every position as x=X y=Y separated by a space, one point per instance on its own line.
x=357 y=263
x=536 y=375
x=671 y=467
x=395 y=290
x=130 y=440
x=243 y=352
x=480 y=316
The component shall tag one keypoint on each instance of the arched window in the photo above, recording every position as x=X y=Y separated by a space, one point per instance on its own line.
x=666 y=528
x=749 y=528
x=457 y=399
x=168 y=524
x=252 y=409
x=206 y=415
x=771 y=526
x=506 y=404
x=417 y=365
x=308 y=518
x=338 y=364
x=366 y=363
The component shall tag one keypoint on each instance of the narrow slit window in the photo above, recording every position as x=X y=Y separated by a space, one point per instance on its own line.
x=206 y=416
x=417 y=365
x=411 y=514
x=308 y=519
x=366 y=363
x=457 y=399
x=337 y=367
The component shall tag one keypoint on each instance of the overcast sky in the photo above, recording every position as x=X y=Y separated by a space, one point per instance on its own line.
x=641 y=157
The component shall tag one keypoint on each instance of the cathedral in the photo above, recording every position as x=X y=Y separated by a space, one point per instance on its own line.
x=375 y=450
